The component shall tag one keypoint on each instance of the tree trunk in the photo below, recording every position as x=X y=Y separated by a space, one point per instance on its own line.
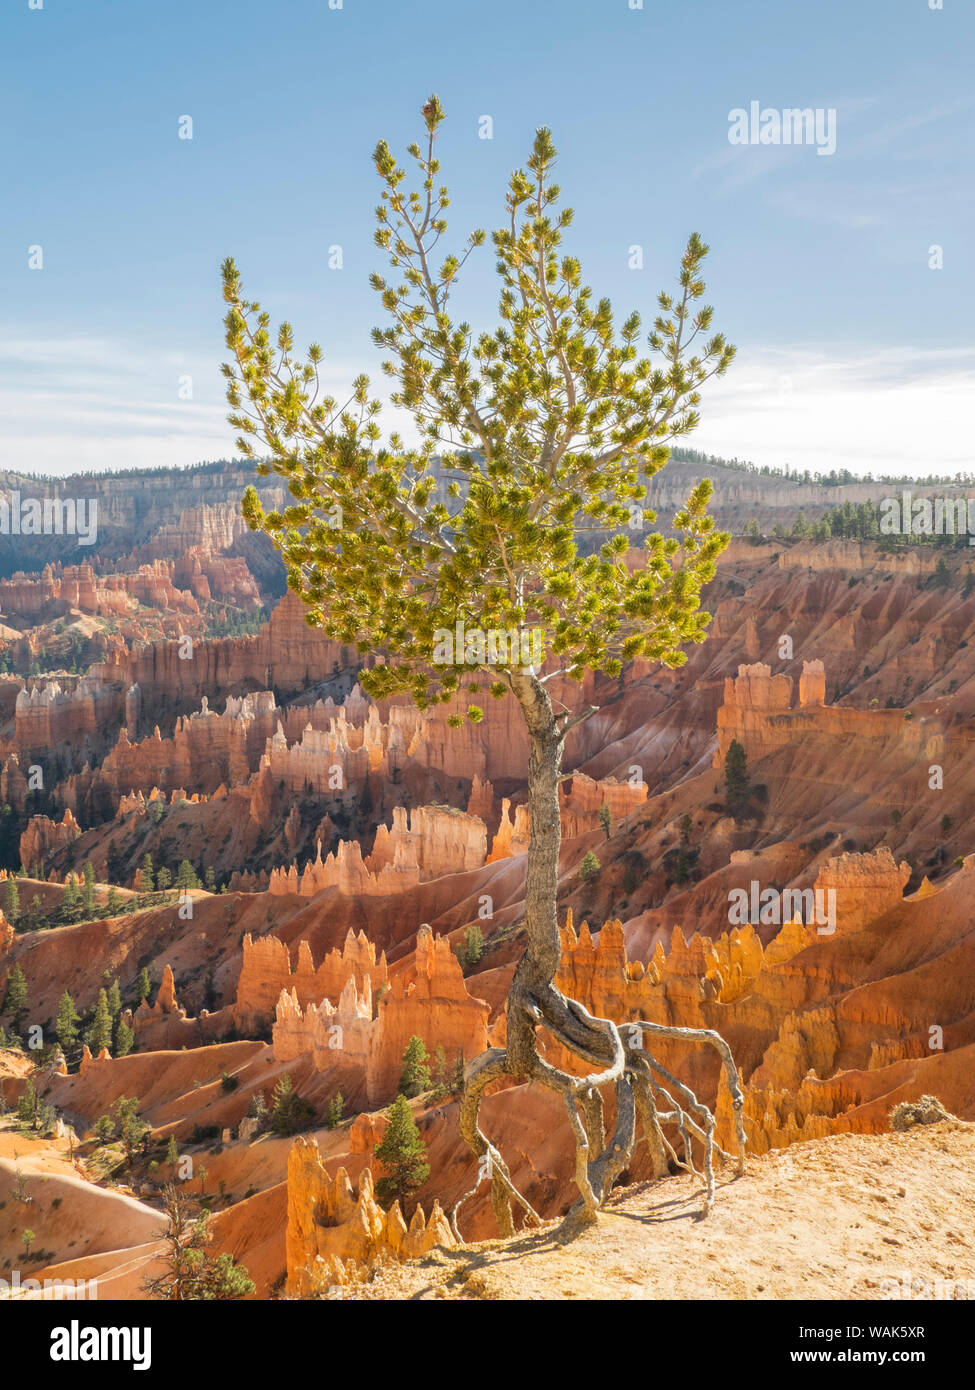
x=619 y=1051
x=540 y=961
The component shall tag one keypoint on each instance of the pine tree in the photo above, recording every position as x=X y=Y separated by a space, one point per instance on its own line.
x=163 y=878
x=114 y=999
x=172 y=1153
x=11 y=904
x=15 y=998
x=66 y=1026
x=100 y=1032
x=257 y=1109
x=606 y=820
x=289 y=1112
x=130 y=1127
x=114 y=901
x=336 y=1106
x=145 y=871
x=186 y=876
x=590 y=866
x=143 y=986
x=190 y=1272
x=113 y=862
x=552 y=419
x=457 y=1079
x=88 y=893
x=737 y=785
x=210 y=879
x=415 y=1076
x=28 y=1105
x=402 y=1154
x=471 y=948
x=124 y=1039
x=441 y=1085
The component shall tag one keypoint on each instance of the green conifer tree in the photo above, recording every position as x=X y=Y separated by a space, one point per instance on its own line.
x=15 y=1003
x=737 y=785
x=66 y=1025
x=590 y=866
x=415 y=1076
x=143 y=986
x=100 y=1032
x=549 y=420
x=289 y=1112
x=402 y=1154
x=186 y=876
x=124 y=1039
x=190 y=1272
x=88 y=891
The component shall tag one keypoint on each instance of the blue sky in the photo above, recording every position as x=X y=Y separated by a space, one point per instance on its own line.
x=852 y=351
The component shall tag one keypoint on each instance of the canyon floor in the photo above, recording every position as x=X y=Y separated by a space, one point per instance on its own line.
x=353 y=878
x=837 y=1218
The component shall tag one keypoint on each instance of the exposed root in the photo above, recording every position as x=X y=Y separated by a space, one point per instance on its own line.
x=645 y=1090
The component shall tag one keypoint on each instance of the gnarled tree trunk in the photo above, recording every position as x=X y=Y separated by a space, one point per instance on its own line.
x=618 y=1051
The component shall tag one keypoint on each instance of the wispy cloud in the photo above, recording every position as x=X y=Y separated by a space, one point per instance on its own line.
x=94 y=404
x=898 y=410
x=82 y=402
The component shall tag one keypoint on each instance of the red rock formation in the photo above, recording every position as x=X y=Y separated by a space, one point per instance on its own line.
x=327 y=1223
x=47 y=716
x=43 y=836
x=757 y=712
x=266 y=973
x=366 y=1131
x=481 y=800
x=431 y=842
x=13 y=785
x=581 y=800
x=430 y=999
x=865 y=886
x=324 y=1031
x=511 y=838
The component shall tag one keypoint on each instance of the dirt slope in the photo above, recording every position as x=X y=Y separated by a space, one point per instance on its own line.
x=838 y=1218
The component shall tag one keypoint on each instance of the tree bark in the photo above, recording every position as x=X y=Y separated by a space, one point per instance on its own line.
x=618 y=1050
x=540 y=961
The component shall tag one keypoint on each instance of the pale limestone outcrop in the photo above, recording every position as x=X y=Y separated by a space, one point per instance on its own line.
x=430 y=1000
x=324 y=1029
x=865 y=886
x=425 y=843
x=328 y=1221
x=266 y=972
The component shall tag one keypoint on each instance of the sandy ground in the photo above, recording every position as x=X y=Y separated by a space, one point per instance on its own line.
x=837 y=1218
